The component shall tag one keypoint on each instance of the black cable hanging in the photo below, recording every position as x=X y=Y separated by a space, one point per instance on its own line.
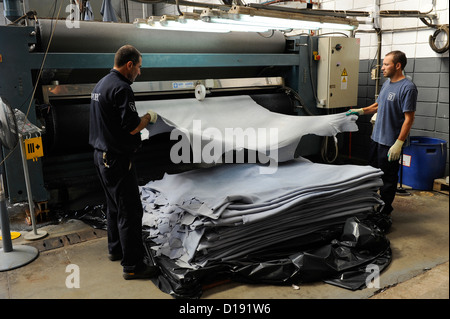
x=432 y=39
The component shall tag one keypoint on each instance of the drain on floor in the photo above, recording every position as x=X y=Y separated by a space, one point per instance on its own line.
x=68 y=239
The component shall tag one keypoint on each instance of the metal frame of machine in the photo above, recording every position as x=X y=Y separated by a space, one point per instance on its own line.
x=53 y=92
x=19 y=68
x=21 y=65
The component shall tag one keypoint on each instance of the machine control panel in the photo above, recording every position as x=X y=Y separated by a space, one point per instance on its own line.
x=337 y=72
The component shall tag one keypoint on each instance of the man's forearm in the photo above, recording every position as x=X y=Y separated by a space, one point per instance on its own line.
x=371 y=109
x=406 y=127
x=144 y=122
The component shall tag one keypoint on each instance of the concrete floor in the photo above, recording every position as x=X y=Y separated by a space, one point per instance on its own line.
x=419 y=269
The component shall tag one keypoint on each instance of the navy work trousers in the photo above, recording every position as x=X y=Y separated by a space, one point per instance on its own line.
x=123 y=208
x=379 y=159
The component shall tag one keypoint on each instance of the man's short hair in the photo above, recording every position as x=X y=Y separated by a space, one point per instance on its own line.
x=126 y=53
x=398 y=57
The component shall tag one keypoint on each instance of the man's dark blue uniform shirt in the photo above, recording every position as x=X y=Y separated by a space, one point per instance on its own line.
x=113 y=115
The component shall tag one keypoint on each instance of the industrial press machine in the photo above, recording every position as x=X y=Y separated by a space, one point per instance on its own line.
x=49 y=70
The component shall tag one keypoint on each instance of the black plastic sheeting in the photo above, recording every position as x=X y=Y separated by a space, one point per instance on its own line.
x=94 y=216
x=338 y=255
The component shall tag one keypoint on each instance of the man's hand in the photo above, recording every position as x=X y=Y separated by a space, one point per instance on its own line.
x=153 y=116
x=148 y=118
x=395 y=151
x=355 y=112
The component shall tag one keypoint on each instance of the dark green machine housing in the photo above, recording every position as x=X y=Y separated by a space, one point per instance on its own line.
x=31 y=79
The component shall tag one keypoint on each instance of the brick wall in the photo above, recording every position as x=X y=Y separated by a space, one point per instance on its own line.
x=426 y=68
x=431 y=76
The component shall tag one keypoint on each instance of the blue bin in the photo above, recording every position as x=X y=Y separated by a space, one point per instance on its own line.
x=423 y=162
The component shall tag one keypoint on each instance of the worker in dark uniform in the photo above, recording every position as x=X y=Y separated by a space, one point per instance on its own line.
x=114 y=134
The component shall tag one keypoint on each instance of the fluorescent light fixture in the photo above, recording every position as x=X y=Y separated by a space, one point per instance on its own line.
x=275 y=20
x=337 y=26
x=244 y=19
x=186 y=24
x=272 y=23
x=156 y=24
x=141 y=23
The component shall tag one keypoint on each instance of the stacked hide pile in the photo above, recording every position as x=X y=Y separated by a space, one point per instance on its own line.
x=305 y=222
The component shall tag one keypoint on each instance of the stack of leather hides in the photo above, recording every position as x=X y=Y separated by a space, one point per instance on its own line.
x=305 y=222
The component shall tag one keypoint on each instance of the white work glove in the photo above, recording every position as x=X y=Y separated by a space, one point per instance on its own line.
x=395 y=151
x=153 y=116
x=355 y=112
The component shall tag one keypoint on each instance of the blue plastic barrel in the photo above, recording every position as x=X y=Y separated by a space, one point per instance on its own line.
x=423 y=162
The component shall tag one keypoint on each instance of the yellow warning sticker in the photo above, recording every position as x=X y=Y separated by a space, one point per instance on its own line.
x=33 y=148
x=344 y=80
x=344 y=73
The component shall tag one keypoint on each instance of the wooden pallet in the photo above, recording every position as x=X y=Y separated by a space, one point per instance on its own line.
x=440 y=185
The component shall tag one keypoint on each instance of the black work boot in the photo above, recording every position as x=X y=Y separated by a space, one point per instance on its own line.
x=146 y=273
